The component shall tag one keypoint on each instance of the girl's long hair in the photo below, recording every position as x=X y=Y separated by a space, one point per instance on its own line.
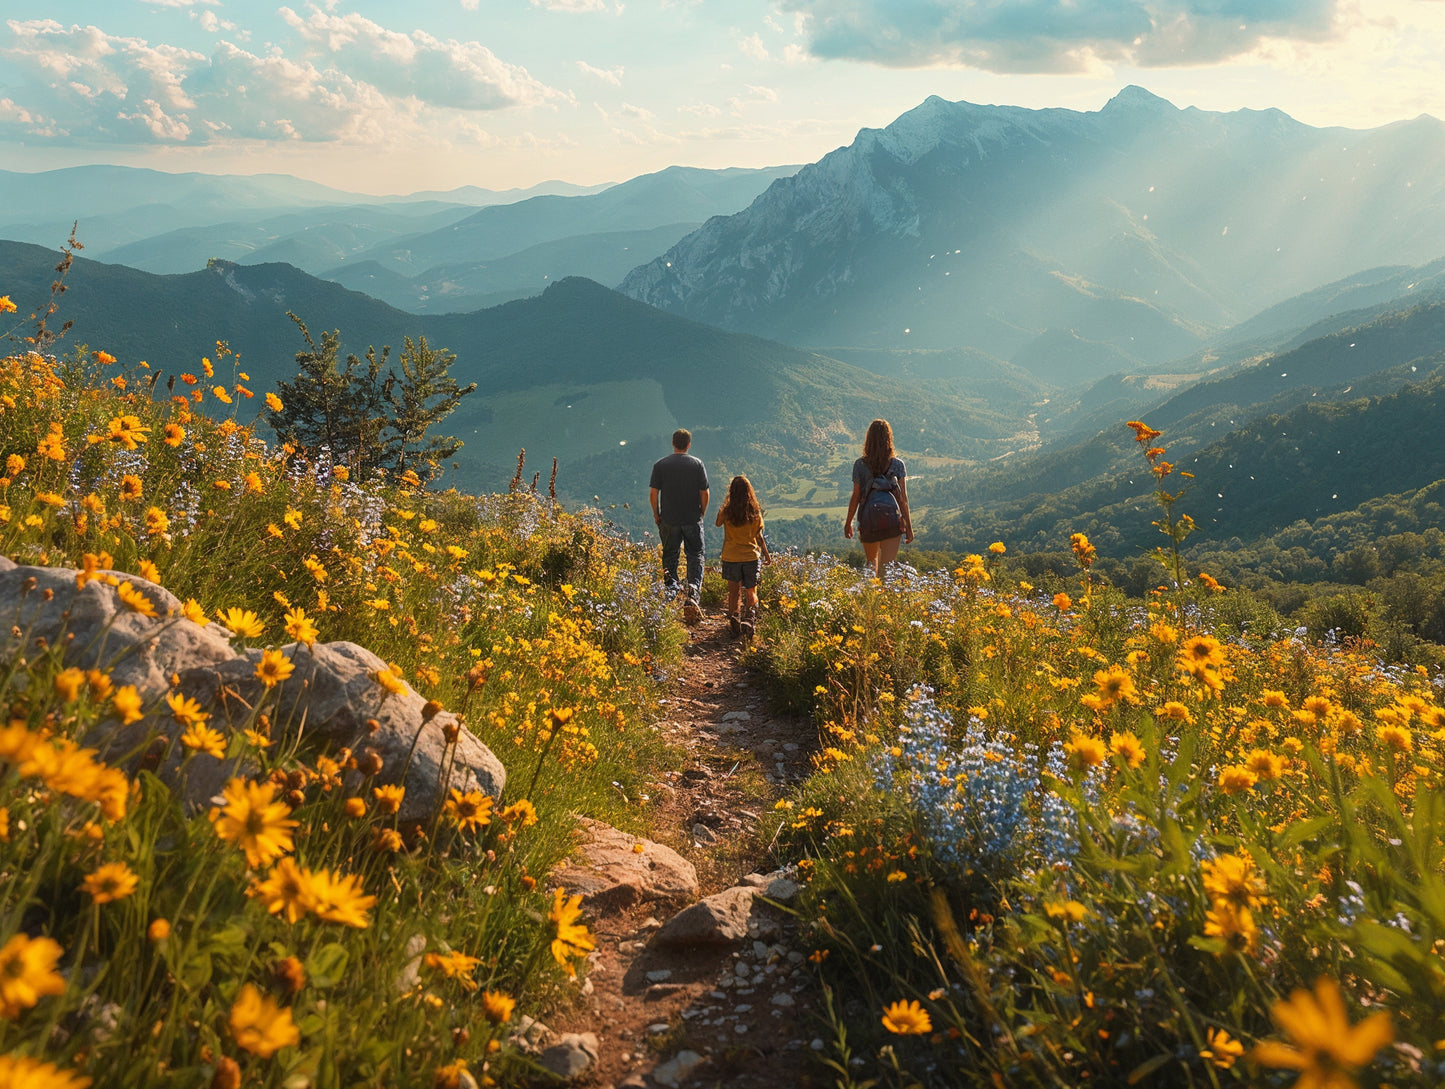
x=878 y=447
x=741 y=506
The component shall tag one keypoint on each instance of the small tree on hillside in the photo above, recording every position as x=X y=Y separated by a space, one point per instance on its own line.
x=340 y=408
x=423 y=394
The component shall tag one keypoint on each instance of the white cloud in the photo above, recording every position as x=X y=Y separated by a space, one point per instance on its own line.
x=1055 y=35
x=752 y=46
x=449 y=73
x=354 y=81
x=756 y=96
x=16 y=117
x=606 y=75
x=572 y=5
x=93 y=85
x=212 y=23
x=162 y=126
x=633 y=126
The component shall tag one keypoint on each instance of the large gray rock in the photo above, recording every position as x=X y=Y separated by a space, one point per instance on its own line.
x=331 y=700
x=571 y=1055
x=677 y=1069
x=613 y=875
x=720 y=919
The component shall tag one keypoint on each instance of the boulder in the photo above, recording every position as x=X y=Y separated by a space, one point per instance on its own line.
x=720 y=919
x=778 y=885
x=571 y=1055
x=677 y=1069
x=612 y=874
x=331 y=700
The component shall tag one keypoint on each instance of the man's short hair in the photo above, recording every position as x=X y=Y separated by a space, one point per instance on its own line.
x=681 y=439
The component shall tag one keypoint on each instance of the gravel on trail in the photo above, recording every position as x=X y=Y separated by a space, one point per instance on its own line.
x=735 y=1005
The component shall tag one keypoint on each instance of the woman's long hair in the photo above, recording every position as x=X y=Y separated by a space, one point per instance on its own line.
x=878 y=447
x=741 y=505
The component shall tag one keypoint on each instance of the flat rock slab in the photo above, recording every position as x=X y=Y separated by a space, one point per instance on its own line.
x=612 y=874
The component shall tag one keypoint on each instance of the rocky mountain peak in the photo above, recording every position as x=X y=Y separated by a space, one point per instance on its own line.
x=1135 y=100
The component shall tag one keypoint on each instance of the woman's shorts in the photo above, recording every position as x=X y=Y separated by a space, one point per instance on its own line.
x=746 y=572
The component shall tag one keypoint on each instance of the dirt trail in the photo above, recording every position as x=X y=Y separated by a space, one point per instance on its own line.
x=745 y=1010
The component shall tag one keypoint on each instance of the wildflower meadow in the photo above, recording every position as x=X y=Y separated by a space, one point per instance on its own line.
x=294 y=931
x=1053 y=835
x=1059 y=837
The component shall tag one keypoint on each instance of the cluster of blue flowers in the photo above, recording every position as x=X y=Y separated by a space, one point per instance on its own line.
x=979 y=803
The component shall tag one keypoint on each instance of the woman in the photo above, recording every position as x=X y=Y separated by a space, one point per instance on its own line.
x=877 y=478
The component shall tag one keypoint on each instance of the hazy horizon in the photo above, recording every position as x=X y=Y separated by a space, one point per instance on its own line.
x=363 y=98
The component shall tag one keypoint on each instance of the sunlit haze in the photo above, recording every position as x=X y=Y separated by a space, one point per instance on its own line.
x=378 y=97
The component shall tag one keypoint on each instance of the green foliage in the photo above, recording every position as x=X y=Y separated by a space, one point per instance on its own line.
x=533 y=625
x=424 y=394
x=362 y=415
x=1110 y=839
x=333 y=407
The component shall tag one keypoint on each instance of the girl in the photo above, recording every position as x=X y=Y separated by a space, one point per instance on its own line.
x=878 y=460
x=744 y=552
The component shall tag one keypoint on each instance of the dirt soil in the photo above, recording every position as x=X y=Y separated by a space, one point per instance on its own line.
x=749 y=1011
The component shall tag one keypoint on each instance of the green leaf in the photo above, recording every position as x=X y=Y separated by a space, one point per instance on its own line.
x=1176 y=851
x=326 y=966
x=1388 y=951
x=1147 y=1067
x=195 y=971
x=1300 y=831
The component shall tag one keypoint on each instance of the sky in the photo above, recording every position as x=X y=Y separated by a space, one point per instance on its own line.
x=382 y=97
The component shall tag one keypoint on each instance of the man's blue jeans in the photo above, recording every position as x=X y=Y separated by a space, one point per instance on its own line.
x=687 y=539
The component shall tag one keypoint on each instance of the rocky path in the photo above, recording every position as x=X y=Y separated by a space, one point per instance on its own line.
x=695 y=981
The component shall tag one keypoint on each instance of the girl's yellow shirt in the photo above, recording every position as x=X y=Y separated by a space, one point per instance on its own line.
x=742 y=544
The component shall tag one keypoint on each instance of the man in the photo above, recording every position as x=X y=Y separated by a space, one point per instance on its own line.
x=679 y=502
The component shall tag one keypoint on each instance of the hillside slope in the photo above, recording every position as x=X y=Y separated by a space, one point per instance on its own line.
x=579 y=372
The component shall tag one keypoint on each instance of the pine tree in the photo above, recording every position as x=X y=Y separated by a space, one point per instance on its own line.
x=334 y=408
x=422 y=395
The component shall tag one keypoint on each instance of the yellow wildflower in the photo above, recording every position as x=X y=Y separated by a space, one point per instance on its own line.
x=907 y=1019
x=112 y=881
x=27 y=973
x=1323 y=1046
x=260 y=1025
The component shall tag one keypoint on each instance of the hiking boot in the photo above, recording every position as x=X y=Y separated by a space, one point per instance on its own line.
x=737 y=629
x=749 y=618
x=691 y=613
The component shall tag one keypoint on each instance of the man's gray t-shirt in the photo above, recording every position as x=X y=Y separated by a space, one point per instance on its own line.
x=679 y=480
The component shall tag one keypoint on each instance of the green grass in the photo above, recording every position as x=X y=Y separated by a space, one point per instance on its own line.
x=533 y=624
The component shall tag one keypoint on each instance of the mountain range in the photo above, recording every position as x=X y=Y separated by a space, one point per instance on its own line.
x=117 y=206
x=1005 y=285
x=579 y=372
x=428 y=252
x=1070 y=243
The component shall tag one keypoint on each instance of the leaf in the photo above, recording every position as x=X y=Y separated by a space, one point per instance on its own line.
x=195 y=971
x=1147 y=1067
x=1176 y=851
x=326 y=966
x=1389 y=951
x=1300 y=831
